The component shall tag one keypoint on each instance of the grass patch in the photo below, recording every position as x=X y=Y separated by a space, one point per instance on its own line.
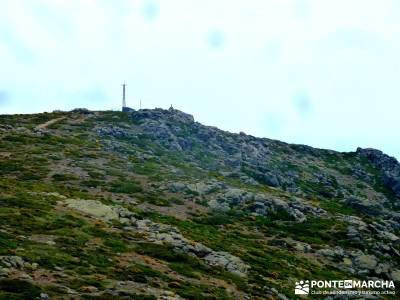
x=6 y=243
x=116 y=245
x=139 y=273
x=64 y=177
x=154 y=199
x=18 y=289
x=130 y=187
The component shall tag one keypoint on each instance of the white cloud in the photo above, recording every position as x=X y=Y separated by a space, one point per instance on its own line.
x=240 y=65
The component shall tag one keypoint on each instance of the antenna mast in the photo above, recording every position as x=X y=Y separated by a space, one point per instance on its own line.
x=123 y=95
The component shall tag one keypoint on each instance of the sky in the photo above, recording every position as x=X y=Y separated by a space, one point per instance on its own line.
x=319 y=72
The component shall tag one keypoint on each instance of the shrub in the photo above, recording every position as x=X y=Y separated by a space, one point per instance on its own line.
x=154 y=199
x=6 y=243
x=24 y=289
x=63 y=177
x=116 y=245
x=139 y=273
x=125 y=187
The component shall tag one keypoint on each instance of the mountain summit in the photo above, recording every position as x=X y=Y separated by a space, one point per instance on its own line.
x=150 y=204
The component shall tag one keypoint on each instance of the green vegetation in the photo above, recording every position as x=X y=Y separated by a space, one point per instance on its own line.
x=155 y=199
x=74 y=250
x=13 y=289
x=125 y=187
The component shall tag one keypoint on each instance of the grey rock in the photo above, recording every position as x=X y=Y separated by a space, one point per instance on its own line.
x=305 y=208
x=353 y=234
x=395 y=275
x=302 y=247
x=389 y=166
x=358 y=171
x=115 y=131
x=326 y=252
x=282 y=297
x=166 y=234
x=12 y=262
x=218 y=205
x=24 y=276
x=127 y=109
x=4 y=272
x=236 y=196
x=385 y=235
x=337 y=252
x=93 y=207
x=354 y=220
x=44 y=296
x=382 y=268
x=368 y=262
x=125 y=220
x=228 y=261
x=101 y=211
x=271 y=180
x=124 y=213
x=176 y=187
x=365 y=205
x=295 y=208
x=203 y=188
x=297 y=215
x=83 y=111
x=201 y=250
x=161 y=114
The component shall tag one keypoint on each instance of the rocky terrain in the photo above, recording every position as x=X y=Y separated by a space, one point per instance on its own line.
x=150 y=204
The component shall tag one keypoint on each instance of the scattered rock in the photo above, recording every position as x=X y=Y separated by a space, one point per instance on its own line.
x=115 y=131
x=365 y=205
x=44 y=296
x=326 y=252
x=12 y=262
x=353 y=234
x=368 y=262
x=94 y=208
x=389 y=166
x=219 y=205
x=177 y=187
x=227 y=261
x=302 y=247
x=382 y=268
x=347 y=262
x=200 y=188
x=83 y=111
x=32 y=266
x=4 y=272
x=24 y=276
x=395 y=275
x=389 y=236
x=161 y=233
x=99 y=210
x=158 y=233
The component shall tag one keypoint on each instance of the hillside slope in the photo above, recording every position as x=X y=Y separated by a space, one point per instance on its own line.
x=153 y=205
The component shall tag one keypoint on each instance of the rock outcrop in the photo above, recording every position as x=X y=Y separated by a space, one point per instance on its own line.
x=151 y=204
x=387 y=165
x=159 y=233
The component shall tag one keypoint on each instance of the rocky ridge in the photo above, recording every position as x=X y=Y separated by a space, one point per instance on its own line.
x=159 y=233
x=173 y=209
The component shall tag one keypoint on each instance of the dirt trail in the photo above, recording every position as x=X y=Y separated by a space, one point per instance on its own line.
x=48 y=123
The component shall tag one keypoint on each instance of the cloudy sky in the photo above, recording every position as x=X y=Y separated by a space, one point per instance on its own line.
x=319 y=72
